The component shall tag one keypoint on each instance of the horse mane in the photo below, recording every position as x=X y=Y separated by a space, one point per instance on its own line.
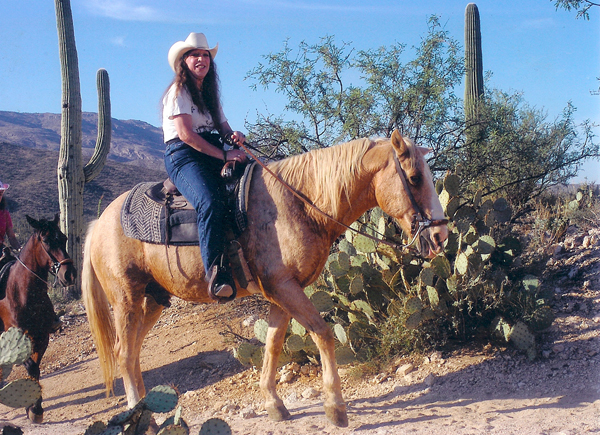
x=328 y=175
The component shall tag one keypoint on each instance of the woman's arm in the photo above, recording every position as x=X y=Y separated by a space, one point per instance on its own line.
x=185 y=131
x=10 y=232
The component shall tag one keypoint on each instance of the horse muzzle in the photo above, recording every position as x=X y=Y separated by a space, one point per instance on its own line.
x=65 y=272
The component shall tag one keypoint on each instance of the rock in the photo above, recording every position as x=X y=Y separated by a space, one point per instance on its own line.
x=429 y=380
x=250 y=321
x=305 y=369
x=248 y=413
x=228 y=408
x=405 y=369
x=286 y=377
x=310 y=393
x=587 y=242
x=557 y=249
x=380 y=378
x=435 y=356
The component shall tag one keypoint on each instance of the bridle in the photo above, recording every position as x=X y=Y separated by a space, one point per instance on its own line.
x=54 y=269
x=418 y=224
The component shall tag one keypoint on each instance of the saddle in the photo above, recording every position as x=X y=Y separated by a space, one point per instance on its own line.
x=6 y=261
x=156 y=212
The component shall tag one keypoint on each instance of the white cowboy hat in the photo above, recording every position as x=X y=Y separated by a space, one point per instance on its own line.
x=4 y=186
x=193 y=42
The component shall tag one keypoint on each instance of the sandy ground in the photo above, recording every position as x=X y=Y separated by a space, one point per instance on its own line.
x=481 y=389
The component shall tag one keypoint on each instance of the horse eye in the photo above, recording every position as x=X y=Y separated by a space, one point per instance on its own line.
x=415 y=180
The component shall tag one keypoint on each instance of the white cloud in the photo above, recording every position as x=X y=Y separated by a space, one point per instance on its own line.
x=119 y=41
x=125 y=10
x=538 y=24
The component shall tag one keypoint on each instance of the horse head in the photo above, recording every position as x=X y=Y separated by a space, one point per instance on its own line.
x=54 y=249
x=418 y=211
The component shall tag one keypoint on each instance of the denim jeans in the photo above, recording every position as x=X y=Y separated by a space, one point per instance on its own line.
x=197 y=176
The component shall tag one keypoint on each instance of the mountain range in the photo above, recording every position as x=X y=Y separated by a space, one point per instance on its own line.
x=132 y=142
x=29 y=148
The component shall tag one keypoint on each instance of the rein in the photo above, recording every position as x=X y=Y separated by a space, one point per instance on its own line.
x=417 y=226
x=54 y=269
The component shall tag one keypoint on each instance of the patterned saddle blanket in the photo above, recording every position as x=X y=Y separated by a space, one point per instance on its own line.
x=157 y=213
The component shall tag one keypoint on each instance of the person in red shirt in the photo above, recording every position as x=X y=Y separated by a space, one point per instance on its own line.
x=6 y=226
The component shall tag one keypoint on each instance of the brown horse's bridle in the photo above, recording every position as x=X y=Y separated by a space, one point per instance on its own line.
x=419 y=223
x=54 y=269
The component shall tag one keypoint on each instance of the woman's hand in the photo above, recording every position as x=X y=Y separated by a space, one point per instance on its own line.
x=236 y=156
x=237 y=137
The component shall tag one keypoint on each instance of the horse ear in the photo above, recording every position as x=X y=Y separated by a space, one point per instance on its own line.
x=424 y=151
x=56 y=219
x=400 y=145
x=34 y=223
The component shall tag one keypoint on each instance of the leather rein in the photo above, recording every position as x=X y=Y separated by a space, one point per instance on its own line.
x=54 y=269
x=419 y=223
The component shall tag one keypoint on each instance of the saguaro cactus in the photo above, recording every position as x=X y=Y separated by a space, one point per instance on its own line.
x=72 y=176
x=473 y=65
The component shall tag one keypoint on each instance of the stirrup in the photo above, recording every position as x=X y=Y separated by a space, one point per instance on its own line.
x=220 y=280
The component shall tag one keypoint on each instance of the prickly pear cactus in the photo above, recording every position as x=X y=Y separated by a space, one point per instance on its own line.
x=215 y=426
x=137 y=420
x=15 y=348
x=161 y=398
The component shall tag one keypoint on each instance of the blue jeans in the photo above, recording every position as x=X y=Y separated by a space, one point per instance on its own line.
x=197 y=176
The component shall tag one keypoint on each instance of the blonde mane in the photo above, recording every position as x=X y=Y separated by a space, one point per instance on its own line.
x=327 y=175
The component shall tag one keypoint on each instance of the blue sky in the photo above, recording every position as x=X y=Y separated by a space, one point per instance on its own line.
x=528 y=45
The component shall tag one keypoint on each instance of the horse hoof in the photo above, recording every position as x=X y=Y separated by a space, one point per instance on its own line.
x=337 y=415
x=35 y=418
x=278 y=413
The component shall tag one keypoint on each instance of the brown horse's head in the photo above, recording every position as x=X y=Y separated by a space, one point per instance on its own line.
x=405 y=190
x=53 y=252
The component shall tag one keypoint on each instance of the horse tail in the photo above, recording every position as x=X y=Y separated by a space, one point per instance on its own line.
x=99 y=316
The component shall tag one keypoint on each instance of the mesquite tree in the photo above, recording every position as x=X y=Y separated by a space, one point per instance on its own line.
x=72 y=175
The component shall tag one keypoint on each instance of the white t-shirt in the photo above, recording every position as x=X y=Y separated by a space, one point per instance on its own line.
x=172 y=106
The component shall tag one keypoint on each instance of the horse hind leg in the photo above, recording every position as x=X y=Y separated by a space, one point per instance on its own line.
x=132 y=328
x=278 y=322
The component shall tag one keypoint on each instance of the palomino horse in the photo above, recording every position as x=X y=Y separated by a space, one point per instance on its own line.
x=25 y=302
x=286 y=243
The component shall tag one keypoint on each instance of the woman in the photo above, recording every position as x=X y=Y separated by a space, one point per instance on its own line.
x=6 y=226
x=194 y=155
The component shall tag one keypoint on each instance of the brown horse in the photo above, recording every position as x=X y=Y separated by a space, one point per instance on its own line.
x=25 y=302
x=286 y=243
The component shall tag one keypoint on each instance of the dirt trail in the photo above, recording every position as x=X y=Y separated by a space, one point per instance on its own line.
x=479 y=390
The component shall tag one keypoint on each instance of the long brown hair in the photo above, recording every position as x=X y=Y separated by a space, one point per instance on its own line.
x=208 y=98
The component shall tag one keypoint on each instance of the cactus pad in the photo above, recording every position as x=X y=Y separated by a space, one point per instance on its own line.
x=364 y=244
x=297 y=328
x=123 y=417
x=344 y=355
x=340 y=333
x=413 y=305
x=260 y=330
x=96 y=428
x=322 y=301
x=441 y=267
x=413 y=321
x=20 y=393
x=294 y=343
x=161 y=398
x=521 y=336
x=215 y=426
x=173 y=429
x=15 y=347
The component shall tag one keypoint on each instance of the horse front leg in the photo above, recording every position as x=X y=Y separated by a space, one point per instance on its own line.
x=278 y=322
x=294 y=301
x=35 y=412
